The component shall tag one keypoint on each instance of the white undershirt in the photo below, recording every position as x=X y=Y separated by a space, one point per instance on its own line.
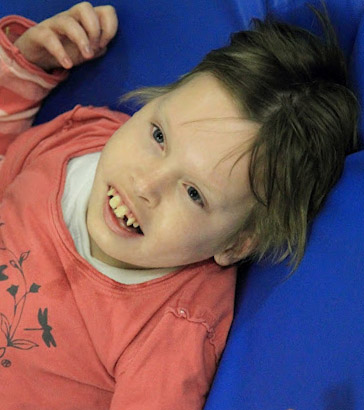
x=79 y=180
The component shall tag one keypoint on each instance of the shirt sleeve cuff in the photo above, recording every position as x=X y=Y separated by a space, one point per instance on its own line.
x=11 y=28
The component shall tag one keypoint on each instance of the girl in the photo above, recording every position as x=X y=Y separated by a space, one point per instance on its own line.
x=120 y=236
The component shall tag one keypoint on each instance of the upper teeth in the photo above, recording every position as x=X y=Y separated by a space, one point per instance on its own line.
x=121 y=209
x=111 y=192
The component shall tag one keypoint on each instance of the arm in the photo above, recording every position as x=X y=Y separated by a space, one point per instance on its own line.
x=172 y=369
x=33 y=58
x=22 y=85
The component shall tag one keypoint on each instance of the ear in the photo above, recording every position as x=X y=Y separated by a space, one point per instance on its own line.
x=236 y=252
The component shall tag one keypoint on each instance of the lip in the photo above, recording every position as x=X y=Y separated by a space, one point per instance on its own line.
x=126 y=201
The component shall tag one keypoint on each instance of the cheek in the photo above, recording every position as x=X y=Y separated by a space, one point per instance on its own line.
x=120 y=150
x=174 y=222
x=120 y=143
x=192 y=234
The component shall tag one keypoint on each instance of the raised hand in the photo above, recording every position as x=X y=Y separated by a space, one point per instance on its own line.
x=69 y=38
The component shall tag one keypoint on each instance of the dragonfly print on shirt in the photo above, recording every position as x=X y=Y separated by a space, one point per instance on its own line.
x=14 y=294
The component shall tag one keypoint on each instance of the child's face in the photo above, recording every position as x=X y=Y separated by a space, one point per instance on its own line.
x=167 y=164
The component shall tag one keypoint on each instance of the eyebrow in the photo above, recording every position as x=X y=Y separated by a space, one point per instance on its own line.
x=212 y=190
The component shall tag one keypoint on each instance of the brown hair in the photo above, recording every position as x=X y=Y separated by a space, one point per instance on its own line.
x=294 y=84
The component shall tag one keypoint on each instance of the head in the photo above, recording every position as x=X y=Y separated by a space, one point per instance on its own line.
x=167 y=162
x=234 y=159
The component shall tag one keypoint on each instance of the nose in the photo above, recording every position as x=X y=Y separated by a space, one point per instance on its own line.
x=149 y=185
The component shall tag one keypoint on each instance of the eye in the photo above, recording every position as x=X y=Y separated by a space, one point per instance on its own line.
x=158 y=135
x=195 y=196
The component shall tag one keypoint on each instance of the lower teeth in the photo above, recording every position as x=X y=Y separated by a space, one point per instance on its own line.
x=123 y=221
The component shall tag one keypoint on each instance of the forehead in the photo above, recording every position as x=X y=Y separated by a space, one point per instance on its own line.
x=202 y=98
x=211 y=133
x=204 y=105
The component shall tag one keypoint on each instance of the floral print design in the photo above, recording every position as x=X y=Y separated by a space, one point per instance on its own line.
x=9 y=326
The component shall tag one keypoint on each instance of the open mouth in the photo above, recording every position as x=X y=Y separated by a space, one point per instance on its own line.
x=122 y=213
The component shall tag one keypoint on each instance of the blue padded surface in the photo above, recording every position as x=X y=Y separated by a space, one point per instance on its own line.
x=299 y=343
x=296 y=344
x=160 y=40
x=157 y=42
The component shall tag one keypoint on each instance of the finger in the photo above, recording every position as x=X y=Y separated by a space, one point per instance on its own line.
x=100 y=52
x=87 y=16
x=108 y=22
x=54 y=47
x=70 y=28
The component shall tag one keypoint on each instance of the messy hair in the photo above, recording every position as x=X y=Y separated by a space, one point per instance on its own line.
x=294 y=84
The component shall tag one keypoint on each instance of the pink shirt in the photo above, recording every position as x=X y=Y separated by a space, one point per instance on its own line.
x=72 y=338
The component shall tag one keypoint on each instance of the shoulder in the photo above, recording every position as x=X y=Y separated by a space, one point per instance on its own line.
x=84 y=113
x=80 y=130
x=207 y=301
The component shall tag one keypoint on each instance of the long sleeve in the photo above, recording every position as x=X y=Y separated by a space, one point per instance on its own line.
x=23 y=85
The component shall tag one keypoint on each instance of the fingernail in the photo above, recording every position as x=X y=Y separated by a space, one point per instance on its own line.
x=88 y=50
x=67 y=63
